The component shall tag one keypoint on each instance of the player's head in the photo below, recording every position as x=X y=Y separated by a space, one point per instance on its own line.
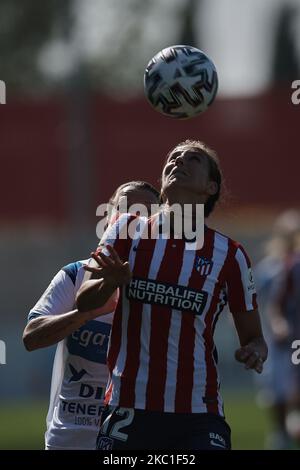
x=192 y=173
x=285 y=238
x=287 y=223
x=135 y=192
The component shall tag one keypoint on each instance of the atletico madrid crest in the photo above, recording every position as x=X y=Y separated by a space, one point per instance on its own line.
x=203 y=265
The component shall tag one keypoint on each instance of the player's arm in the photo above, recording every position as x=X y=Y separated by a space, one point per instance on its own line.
x=46 y=330
x=243 y=306
x=53 y=318
x=253 y=351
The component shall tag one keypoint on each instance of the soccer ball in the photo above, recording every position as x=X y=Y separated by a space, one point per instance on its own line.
x=180 y=82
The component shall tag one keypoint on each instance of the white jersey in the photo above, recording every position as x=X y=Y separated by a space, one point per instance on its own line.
x=80 y=373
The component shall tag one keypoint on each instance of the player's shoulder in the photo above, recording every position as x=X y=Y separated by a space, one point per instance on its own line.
x=72 y=269
x=232 y=244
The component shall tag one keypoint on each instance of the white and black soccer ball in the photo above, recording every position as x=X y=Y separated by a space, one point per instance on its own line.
x=181 y=82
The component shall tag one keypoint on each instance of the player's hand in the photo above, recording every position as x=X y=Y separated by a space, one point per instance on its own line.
x=110 y=268
x=253 y=355
x=107 y=277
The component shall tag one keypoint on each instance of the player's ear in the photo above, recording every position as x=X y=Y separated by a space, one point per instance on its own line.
x=212 y=188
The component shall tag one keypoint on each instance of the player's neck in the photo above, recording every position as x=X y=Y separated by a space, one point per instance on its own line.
x=189 y=206
x=182 y=197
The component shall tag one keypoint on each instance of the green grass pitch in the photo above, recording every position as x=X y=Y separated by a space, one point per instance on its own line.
x=23 y=425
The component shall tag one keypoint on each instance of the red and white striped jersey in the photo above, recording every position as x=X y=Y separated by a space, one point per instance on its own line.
x=161 y=355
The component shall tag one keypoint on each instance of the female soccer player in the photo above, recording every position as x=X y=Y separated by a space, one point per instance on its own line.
x=79 y=373
x=163 y=391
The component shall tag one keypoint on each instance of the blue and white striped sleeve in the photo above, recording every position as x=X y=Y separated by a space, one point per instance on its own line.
x=59 y=297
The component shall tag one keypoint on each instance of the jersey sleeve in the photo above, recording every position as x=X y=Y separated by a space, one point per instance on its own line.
x=58 y=298
x=240 y=285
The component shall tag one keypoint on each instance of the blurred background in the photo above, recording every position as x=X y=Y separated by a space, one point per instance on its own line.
x=76 y=125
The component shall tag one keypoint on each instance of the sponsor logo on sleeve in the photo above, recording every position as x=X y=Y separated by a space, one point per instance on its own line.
x=251 y=285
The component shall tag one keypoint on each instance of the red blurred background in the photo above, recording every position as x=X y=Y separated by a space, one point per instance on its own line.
x=256 y=138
